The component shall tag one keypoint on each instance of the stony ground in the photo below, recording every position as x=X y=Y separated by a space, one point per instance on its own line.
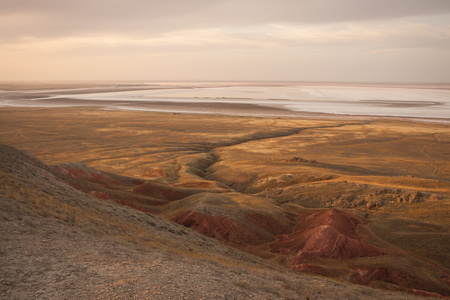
x=44 y=258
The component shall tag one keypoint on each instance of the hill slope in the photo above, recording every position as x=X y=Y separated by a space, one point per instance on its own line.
x=60 y=242
x=57 y=242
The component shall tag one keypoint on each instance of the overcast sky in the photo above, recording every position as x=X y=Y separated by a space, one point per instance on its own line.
x=274 y=40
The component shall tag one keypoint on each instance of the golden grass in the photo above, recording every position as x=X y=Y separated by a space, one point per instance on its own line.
x=434 y=212
x=89 y=218
x=354 y=161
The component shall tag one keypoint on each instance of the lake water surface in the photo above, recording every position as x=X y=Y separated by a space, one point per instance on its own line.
x=410 y=101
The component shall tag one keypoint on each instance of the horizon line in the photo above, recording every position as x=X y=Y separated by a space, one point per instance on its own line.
x=150 y=81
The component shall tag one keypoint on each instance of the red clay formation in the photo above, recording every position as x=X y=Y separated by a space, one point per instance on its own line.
x=98 y=195
x=102 y=185
x=329 y=234
x=367 y=275
x=267 y=222
x=428 y=294
x=317 y=234
x=220 y=227
x=82 y=172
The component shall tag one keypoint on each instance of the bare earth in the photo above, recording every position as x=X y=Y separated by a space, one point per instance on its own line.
x=52 y=249
x=152 y=205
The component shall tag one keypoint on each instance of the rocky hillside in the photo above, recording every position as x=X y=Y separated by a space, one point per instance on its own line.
x=66 y=233
x=59 y=242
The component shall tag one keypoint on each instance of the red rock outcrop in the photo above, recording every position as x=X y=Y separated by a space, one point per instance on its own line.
x=218 y=227
x=107 y=186
x=329 y=234
x=368 y=274
x=98 y=195
x=428 y=294
x=266 y=222
x=222 y=228
x=82 y=172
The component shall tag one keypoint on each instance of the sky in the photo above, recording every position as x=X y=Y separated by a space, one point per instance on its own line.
x=226 y=40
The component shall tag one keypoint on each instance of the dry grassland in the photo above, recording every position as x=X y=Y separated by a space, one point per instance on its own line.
x=394 y=175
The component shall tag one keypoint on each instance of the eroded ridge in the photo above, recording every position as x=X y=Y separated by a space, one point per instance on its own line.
x=330 y=234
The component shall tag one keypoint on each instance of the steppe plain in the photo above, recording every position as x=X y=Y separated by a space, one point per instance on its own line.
x=307 y=206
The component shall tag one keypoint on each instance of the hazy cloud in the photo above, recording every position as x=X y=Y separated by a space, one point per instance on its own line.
x=42 y=18
x=301 y=37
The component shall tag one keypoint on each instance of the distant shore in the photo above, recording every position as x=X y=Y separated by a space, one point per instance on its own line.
x=312 y=100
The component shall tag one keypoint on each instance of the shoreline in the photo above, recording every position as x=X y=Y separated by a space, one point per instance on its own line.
x=287 y=100
x=264 y=112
